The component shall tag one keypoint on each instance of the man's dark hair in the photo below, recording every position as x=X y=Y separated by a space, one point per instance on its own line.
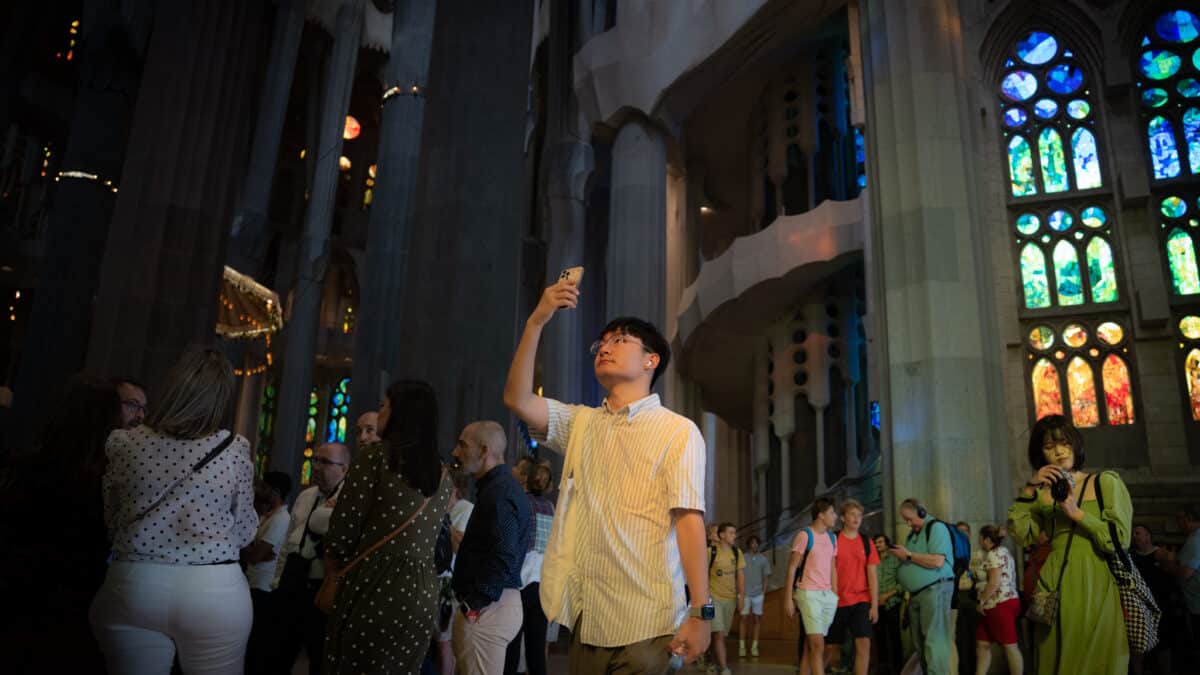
x=886 y=539
x=961 y=524
x=820 y=506
x=118 y=381
x=992 y=534
x=1058 y=428
x=754 y=538
x=645 y=331
x=724 y=526
x=279 y=482
x=539 y=480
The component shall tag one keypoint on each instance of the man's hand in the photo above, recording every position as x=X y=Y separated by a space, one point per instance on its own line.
x=562 y=295
x=789 y=606
x=692 y=638
x=874 y=614
x=901 y=553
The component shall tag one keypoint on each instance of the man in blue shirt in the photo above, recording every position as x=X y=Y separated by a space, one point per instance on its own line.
x=927 y=573
x=487 y=571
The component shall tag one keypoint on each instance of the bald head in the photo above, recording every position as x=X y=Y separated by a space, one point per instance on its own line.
x=331 y=461
x=480 y=447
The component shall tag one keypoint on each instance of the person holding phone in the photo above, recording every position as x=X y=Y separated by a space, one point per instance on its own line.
x=1088 y=635
x=629 y=523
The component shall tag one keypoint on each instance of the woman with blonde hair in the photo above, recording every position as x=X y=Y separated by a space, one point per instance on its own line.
x=179 y=505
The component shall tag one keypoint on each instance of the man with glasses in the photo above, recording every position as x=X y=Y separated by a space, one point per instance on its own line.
x=301 y=567
x=133 y=402
x=629 y=525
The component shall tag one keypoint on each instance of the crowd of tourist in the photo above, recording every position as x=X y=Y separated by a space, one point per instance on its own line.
x=168 y=554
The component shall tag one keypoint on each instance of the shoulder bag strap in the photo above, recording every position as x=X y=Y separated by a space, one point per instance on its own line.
x=1067 y=553
x=1118 y=550
x=212 y=454
x=392 y=535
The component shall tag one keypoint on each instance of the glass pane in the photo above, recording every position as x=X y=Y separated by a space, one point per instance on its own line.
x=1191 y=132
x=310 y=430
x=1082 y=388
x=1191 y=370
x=1054 y=163
x=1019 y=86
x=1101 y=272
x=1041 y=338
x=1093 y=216
x=1014 y=117
x=1163 y=153
x=1045 y=108
x=1181 y=256
x=1189 y=326
x=1061 y=221
x=1079 y=109
x=1110 y=333
x=1154 y=97
x=1173 y=207
x=1118 y=397
x=1188 y=88
x=1020 y=167
x=1177 y=26
x=341 y=434
x=1075 y=335
x=1038 y=48
x=1159 y=64
x=1086 y=159
x=1066 y=271
x=306 y=472
x=1047 y=398
x=1028 y=223
x=1033 y=277
x=1064 y=78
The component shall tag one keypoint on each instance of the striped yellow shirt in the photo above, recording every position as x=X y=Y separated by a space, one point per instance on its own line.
x=612 y=557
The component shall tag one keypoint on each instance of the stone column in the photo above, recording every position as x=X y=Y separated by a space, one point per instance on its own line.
x=301 y=332
x=161 y=270
x=636 y=272
x=941 y=377
x=250 y=219
x=78 y=223
x=377 y=331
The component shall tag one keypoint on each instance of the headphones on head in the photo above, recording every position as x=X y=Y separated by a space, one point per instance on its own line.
x=920 y=508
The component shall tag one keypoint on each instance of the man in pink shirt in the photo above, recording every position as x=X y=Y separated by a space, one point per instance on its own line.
x=814 y=554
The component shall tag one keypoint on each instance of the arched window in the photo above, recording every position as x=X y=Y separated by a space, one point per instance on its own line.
x=266 y=426
x=310 y=436
x=1188 y=328
x=339 y=407
x=1076 y=240
x=1087 y=359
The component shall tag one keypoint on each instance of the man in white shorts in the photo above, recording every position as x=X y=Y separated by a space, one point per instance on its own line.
x=814 y=555
x=758 y=572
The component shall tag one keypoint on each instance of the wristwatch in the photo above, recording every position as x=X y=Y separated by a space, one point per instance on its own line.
x=909 y=557
x=704 y=612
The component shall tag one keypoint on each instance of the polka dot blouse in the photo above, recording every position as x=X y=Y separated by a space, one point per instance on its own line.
x=207 y=518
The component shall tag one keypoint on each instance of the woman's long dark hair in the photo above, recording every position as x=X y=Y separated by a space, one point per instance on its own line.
x=411 y=435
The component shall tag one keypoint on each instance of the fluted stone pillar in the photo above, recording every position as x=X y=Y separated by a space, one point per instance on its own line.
x=250 y=218
x=161 y=270
x=943 y=424
x=377 y=332
x=300 y=335
x=636 y=260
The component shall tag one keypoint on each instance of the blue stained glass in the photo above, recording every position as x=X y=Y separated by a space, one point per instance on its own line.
x=1087 y=160
x=1163 y=152
x=1191 y=132
x=1019 y=85
x=338 y=398
x=1196 y=58
x=1159 y=64
x=1028 y=223
x=1093 y=216
x=1045 y=108
x=1154 y=97
x=1009 y=63
x=1014 y=117
x=1037 y=48
x=1173 y=207
x=1064 y=78
x=1061 y=221
x=1079 y=109
x=862 y=181
x=1178 y=26
x=1145 y=41
x=1020 y=167
x=1054 y=162
x=1188 y=87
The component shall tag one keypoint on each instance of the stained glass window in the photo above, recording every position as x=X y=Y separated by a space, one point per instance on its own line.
x=1066 y=272
x=1057 y=235
x=1046 y=394
x=1169 y=77
x=1191 y=370
x=266 y=426
x=1101 y=273
x=1082 y=389
x=1087 y=161
x=339 y=407
x=310 y=436
x=1033 y=277
x=1164 y=153
x=1118 y=397
x=1181 y=259
x=1054 y=163
x=1090 y=359
x=1020 y=167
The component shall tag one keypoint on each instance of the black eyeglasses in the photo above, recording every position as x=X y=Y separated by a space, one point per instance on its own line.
x=325 y=461
x=134 y=405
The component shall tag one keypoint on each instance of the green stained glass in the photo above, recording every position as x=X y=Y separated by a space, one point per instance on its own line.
x=306 y=472
x=1189 y=326
x=1093 y=216
x=1028 y=223
x=1181 y=256
x=1196 y=58
x=1067 y=274
x=1041 y=338
x=1061 y=221
x=1020 y=167
x=1054 y=163
x=1101 y=272
x=1079 y=109
x=1173 y=207
x=310 y=430
x=1086 y=159
x=1033 y=277
x=1159 y=64
x=1154 y=97
x=1191 y=132
x=1188 y=88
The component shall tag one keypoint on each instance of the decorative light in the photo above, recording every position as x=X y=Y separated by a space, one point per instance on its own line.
x=705 y=209
x=303 y=152
x=83 y=175
x=397 y=90
x=352 y=128
x=371 y=170
x=344 y=163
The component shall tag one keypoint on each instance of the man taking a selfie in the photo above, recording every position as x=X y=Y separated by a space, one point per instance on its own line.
x=629 y=524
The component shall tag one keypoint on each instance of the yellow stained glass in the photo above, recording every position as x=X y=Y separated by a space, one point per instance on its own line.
x=1118 y=396
x=1192 y=372
x=1082 y=388
x=1047 y=397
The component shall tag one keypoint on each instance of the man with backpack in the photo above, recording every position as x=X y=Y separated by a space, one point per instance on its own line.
x=812 y=571
x=927 y=562
x=727 y=585
x=858 y=590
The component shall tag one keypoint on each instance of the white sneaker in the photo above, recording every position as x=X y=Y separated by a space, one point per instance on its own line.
x=741 y=648
x=754 y=649
x=726 y=672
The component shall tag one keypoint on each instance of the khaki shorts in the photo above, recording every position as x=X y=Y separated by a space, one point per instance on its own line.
x=817 y=609
x=723 y=616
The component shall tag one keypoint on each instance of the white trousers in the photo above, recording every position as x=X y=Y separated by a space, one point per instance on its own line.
x=144 y=612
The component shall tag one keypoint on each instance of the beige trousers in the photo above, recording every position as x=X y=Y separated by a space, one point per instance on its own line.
x=480 y=647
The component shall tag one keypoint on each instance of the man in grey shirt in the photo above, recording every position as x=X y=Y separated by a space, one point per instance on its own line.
x=758 y=571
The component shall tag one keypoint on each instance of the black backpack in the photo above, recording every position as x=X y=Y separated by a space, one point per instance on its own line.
x=712 y=557
x=443 y=552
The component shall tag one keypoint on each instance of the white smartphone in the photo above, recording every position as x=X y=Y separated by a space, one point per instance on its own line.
x=572 y=274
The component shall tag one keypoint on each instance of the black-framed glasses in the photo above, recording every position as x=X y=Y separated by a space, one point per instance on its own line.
x=133 y=404
x=615 y=340
x=325 y=461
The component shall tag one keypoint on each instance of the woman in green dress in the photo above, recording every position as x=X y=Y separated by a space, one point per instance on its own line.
x=385 y=611
x=1088 y=635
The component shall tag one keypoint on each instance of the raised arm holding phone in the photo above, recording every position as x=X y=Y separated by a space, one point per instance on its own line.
x=613 y=455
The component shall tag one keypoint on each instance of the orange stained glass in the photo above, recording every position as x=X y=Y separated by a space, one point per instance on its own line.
x=1118 y=397
x=306 y=472
x=1082 y=387
x=1191 y=370
x=1046 y=395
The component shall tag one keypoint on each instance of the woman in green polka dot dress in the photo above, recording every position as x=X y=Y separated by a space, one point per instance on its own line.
x=386 y=609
